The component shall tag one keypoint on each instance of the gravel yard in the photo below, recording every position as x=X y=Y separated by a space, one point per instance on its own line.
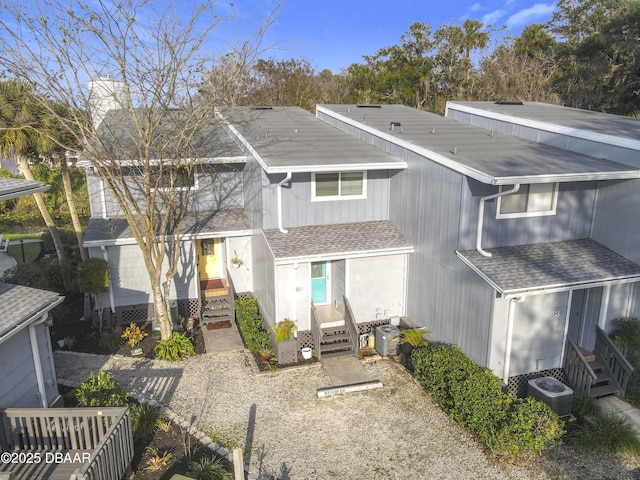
x=396 y=432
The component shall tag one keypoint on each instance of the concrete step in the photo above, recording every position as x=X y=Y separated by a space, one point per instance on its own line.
x=337 y=353
x=206 y=320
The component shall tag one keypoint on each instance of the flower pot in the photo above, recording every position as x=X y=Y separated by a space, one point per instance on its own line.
x=306 y=353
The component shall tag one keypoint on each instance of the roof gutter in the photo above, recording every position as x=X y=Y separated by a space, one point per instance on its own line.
x=286 y=179
x=482 y=252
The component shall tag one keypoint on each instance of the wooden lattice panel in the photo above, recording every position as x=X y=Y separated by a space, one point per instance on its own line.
x=518 y=385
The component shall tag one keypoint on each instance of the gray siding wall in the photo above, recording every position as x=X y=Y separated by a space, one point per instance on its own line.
x=217 y=186
x=376 y=287
x=293 y=294
x=587 y=147
x=443 y=294
x=299 y=210
x=338 y=275
x=255 y=188
x=264 y=277
x=538 y=333
x=130 y=280
x=18 y=375
x=572 y=220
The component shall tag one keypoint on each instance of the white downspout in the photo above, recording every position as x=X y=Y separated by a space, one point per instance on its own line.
x=515 y=188
x=604 y=306
x=106 y=259
x=279 y=201
x=507 y=349
x=37 y=362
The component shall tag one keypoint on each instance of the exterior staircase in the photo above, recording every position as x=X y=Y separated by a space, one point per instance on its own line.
x=603 y=385
x=600 y=373
x=217 y=305
x=336 y=342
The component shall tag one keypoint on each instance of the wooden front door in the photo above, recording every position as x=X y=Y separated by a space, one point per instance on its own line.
x=210 y=258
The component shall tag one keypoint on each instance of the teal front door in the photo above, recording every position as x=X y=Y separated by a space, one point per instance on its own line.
x=319 y=282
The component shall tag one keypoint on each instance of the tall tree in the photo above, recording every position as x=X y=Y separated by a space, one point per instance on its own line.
x=23 y=127
x=601 y=53
x=148 y=150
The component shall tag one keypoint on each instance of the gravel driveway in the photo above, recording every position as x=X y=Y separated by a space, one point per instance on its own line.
x=396 y=432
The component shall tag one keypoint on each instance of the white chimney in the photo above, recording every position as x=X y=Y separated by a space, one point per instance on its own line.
x=104 y=95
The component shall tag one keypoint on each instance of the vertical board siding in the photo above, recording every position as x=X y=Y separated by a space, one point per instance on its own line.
x=298 y=209
x=443 y=294
x=573 y=218
x=18 y=375
x=264 y=277
x=338 y=283
x=216 y=186
x=48 y=372
x=255 y=183
x=617 y=217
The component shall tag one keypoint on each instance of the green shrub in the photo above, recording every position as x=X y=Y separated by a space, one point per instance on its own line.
x=473 y=396
x=144 y=420
x=111 y=340
x=254 y=336
x=174 y=348
x=208 y=468
x=101 y=390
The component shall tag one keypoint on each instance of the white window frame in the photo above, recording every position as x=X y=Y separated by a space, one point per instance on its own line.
x=552 y=211
x=325 y=198
x=183 y=189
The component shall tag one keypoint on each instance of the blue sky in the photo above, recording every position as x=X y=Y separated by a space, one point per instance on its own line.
x=334 y=34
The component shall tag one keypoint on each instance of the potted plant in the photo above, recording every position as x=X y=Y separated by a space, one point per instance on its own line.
x=237 y=262
x=287 y=345
x=411 y=338
x=134 y=336
x=265 y=351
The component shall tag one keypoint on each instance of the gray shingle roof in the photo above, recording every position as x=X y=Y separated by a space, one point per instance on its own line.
x=15 y=187
x=292 y=139
x=102 y=231
x=19 y=304
x=556 y=265
x=488 y=157
x=337 y=239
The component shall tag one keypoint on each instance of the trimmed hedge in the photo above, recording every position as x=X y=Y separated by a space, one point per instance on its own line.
x=473 y=397
x=255 y=337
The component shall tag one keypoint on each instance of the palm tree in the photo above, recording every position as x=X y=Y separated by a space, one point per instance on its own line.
x=473 y=38
x=21 y=120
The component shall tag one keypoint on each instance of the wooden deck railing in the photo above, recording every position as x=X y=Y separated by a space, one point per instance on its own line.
x=316 y=331
x=350 y=322
x=103 y=432
x=612 y=359
x=577 y=370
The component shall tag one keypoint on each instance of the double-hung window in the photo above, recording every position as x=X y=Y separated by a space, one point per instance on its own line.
x=338 y=185
x=531 y=200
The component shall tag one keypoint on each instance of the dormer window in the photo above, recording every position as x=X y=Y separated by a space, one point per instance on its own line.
x=531 y=200
x=338 y=185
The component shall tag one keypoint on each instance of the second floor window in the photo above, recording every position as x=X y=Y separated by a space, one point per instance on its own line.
x=328 y=186
x=530 y=200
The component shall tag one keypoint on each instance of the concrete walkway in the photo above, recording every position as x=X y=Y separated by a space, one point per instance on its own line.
x=222 y=339
x=621 y=408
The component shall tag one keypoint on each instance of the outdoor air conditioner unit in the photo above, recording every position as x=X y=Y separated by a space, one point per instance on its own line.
x=552 y=392
x=387 y=340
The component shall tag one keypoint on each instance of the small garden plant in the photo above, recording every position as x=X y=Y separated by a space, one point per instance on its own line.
x=284 y=330
x=134 y=335
x=208 y=468
x=256 y=338
x=101 y=390
x=177 y=347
